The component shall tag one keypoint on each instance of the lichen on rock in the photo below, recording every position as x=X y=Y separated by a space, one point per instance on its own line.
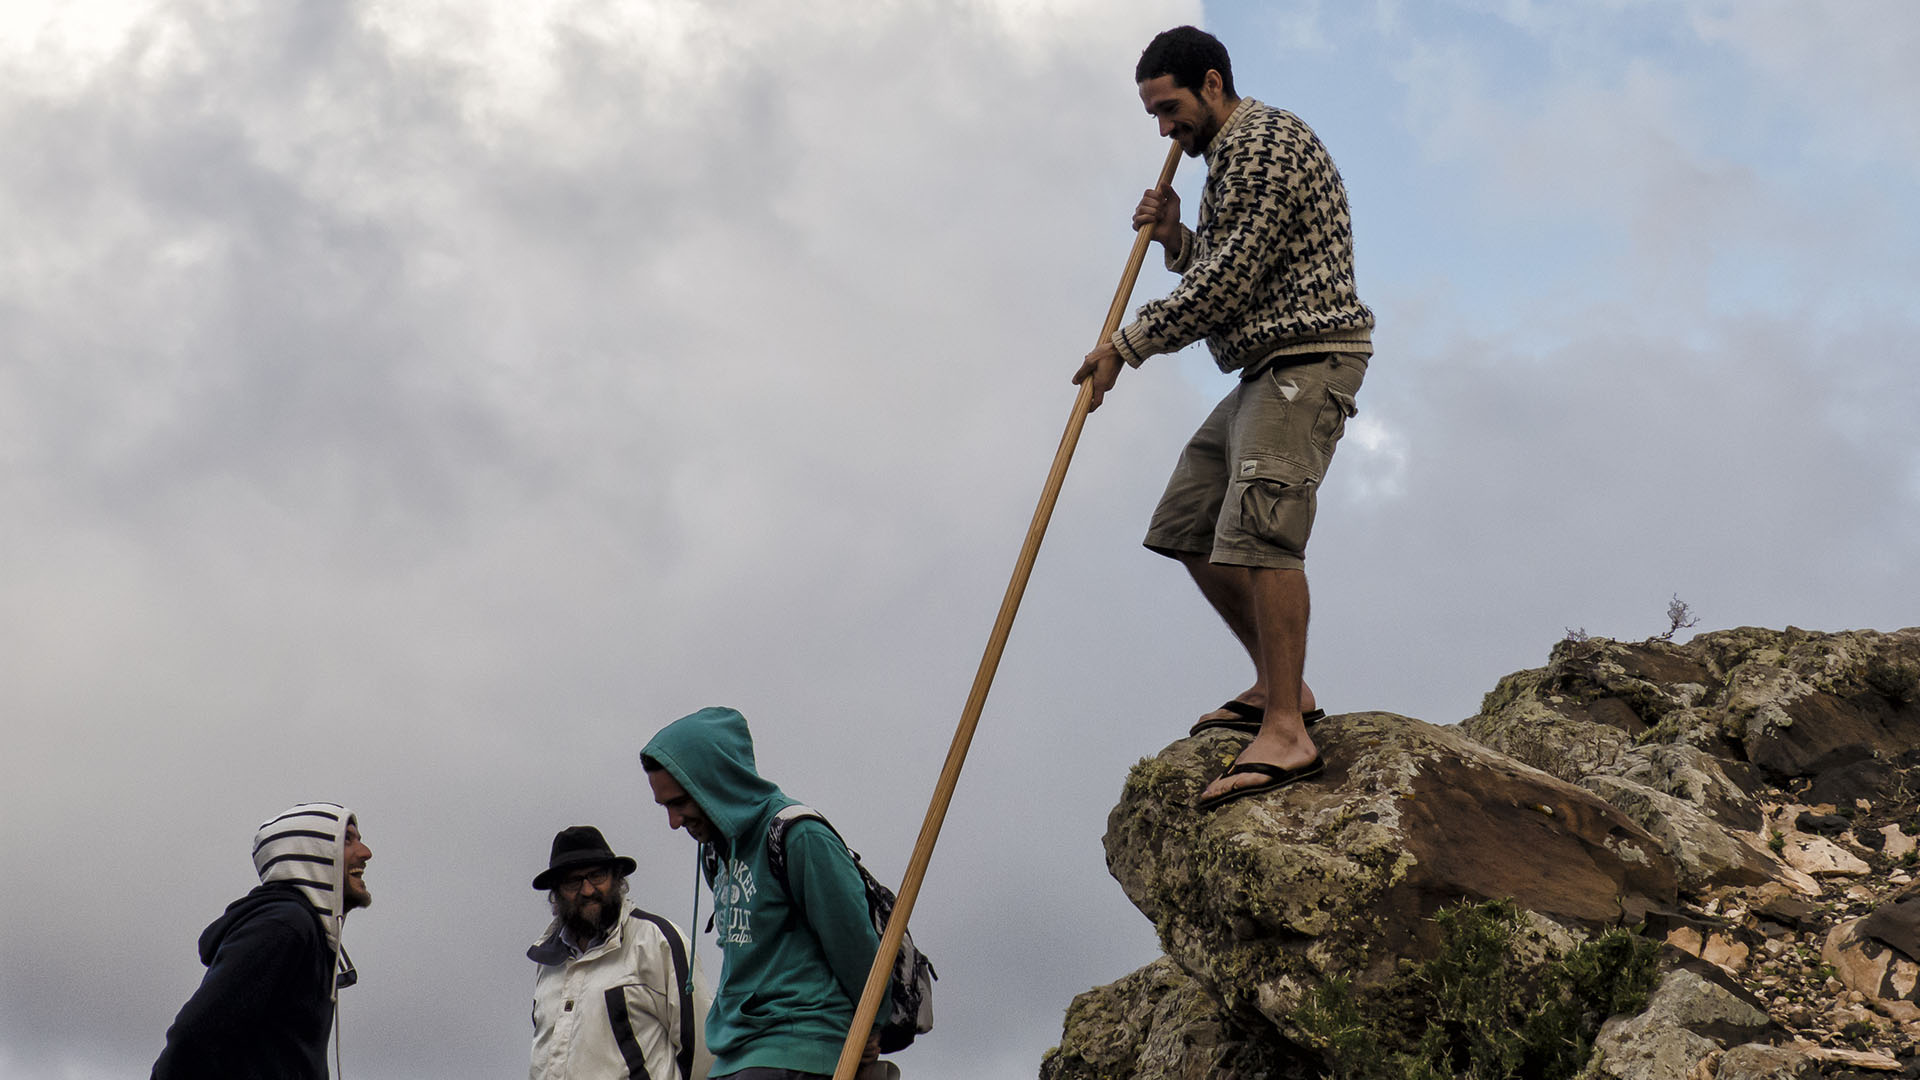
x=1267 y=899
x=1308 y=930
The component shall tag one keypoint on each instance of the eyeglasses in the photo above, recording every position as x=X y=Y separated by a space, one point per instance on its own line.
x=599 y=877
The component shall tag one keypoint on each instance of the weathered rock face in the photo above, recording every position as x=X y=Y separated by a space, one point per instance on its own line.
x=1757 y=791
x=1759 y=1061
x=1708 y=723
x=1787 y=703
x=1689 y=1017
x=1158 y=1023
x=1704 y=853
x=1874 y=954
x=1267 y=898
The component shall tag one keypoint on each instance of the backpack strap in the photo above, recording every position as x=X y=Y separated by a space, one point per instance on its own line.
x=783 y=819
x=683 y=980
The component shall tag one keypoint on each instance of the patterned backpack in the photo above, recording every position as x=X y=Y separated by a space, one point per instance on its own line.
x=909 y=1011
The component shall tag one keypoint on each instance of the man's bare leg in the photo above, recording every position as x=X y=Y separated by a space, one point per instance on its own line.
x=1230 y=590
x=1280 y=606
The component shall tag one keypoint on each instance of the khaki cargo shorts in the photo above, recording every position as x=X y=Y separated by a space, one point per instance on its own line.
x=1243 y=493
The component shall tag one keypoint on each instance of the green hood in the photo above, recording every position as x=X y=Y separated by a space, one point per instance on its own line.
x=797 y=946
x=710 y=753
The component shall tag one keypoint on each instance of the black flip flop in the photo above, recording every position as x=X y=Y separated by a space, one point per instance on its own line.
x=1247 y=718
x=1278 y=776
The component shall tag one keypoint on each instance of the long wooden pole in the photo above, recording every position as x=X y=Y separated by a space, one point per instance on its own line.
x=882 y=968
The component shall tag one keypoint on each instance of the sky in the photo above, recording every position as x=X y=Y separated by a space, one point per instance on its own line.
x=417 y=404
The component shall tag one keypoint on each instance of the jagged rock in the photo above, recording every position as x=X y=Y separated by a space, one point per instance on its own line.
x=1791 y=703
x=1687 y=939
x=1870 y=965
x=1582 y=716
x=1758 y=1061
x=1689 y=773
x=1526 y=719
x=1900 y=1010
x=1821 y=824
x=1629 y=688
x=1806 y=703
x=1689 y=1017
x=1896 y=921
x=1817 y=856
x=1895 y=842
x=1704 y=853
x=1706 y=723
x=1844 y=786
x=1158 y=1024
x=1854 y=1059
x=1724 y=952
x=1785 y=909
x=1266 y=898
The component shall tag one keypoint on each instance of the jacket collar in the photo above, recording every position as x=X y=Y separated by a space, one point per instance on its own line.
x=552 y=948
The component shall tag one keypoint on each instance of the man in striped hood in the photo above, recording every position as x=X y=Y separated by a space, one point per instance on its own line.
x=274 y=959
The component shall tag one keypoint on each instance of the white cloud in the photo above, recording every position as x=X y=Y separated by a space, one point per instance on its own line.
x=417 y=404
x=1847 y=70
x=54 y=48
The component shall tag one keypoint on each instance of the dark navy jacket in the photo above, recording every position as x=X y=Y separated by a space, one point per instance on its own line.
x=266 y=1004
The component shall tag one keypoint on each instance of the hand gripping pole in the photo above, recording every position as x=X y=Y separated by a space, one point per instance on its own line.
x=983 y=680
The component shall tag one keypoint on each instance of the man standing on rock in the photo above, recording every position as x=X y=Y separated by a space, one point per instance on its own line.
x=1267 y=280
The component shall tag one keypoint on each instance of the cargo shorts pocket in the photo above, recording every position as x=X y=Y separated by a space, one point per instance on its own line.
x=1331 y=423
x=1275 y=500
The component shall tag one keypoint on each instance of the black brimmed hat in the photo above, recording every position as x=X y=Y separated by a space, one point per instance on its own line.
x=576 y=846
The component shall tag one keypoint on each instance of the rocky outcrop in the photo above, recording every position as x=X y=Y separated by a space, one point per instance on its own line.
x=1159 y=1023
x=1710 y=723
x=1713 y=719
x=1750 y=798
x=1268 y=898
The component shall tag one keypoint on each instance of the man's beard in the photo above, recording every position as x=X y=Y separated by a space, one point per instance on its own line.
x=1203 y=134
x=584 y=928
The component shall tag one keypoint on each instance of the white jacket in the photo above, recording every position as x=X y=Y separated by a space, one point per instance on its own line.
x=621 y=1009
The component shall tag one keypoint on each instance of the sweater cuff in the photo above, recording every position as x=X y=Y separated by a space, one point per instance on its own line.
x=1178 y=256
x=1122 y=345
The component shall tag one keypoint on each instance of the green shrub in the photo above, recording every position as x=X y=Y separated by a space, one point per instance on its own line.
x=1860 y=1033
x=1479 y=1010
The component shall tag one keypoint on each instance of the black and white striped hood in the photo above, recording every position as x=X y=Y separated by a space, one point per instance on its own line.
x=305 y=847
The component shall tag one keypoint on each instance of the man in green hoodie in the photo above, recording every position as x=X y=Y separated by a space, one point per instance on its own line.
x=795 y=952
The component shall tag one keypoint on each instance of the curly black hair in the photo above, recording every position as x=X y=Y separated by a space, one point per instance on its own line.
x=1187 y=53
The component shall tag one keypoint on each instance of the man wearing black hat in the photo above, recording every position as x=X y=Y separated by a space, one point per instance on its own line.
x=616 y=995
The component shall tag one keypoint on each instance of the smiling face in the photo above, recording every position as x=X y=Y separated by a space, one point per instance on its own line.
x=358 y=854
x=682 y=811
x=1188 y=117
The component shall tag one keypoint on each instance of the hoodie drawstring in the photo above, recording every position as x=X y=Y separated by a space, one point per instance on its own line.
x=693 y=948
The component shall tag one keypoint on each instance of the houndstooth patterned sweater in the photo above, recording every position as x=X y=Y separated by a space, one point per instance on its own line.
x=1269 y=270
